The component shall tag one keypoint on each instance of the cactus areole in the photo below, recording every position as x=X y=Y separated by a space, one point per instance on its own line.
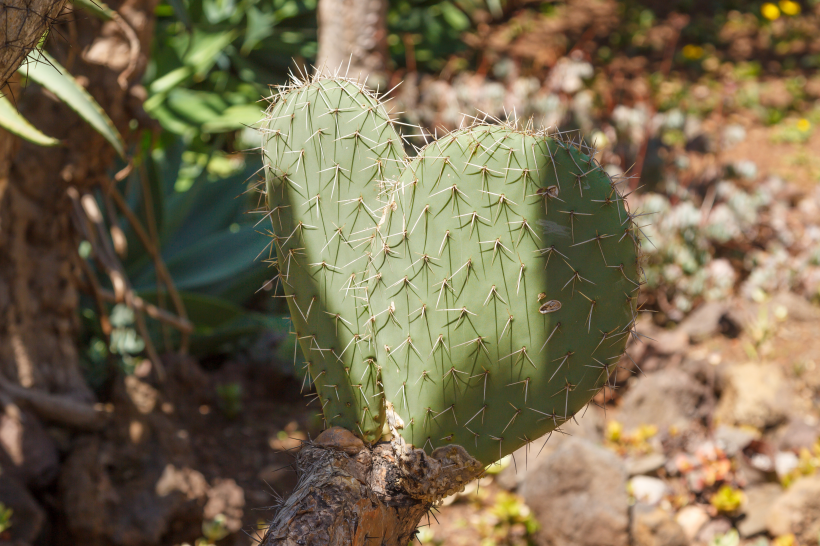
x=478 y=294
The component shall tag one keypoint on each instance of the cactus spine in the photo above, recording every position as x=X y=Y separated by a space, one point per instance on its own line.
x=481 y=292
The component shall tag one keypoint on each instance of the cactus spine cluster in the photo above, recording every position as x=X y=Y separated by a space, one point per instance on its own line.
x=482 y=291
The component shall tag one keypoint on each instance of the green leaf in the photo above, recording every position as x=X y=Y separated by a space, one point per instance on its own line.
x=235 y=117
x=169 y=81
x=14 y=123
x=45 y=70
x=197 y=107
x=454 y=17
x=182 y=12
x=206 y=49
x=260 y=26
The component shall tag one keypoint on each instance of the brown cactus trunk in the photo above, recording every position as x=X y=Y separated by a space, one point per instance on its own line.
x=22 y=24
x=352 y=495
x=353 y=39
x=344 y=500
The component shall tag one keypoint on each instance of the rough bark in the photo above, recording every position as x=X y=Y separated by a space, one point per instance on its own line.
x=38 y=241
x=353 y=39
x=22 y=24
x=352 y=495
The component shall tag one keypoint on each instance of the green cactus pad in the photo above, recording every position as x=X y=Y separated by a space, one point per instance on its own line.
x=327 y=145
x=488 y=285
x=510 y=292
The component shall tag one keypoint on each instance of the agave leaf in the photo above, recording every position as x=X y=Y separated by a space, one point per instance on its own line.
x=216 y=258
x=46 y=71
x=13 y=122
x=220 y=324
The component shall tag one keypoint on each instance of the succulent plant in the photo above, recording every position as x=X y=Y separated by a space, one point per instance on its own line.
x=478 y=294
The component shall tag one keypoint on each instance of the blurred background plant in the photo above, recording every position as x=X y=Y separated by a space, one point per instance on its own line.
x=707 y=112
x=640 y=79
x=5 y=518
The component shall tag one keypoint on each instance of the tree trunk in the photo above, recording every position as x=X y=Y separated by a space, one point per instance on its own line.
x=353 y=39
x=38 y=241
x=352 y=495
x=22 y=24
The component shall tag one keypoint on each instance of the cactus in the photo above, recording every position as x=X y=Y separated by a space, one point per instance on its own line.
x=478 y=294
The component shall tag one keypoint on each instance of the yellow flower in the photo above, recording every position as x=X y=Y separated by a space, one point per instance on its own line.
x=727 y=499
x=770 y=11
x=803 y=125
x=692 y=52
x=785 y=540
x=789 y=7
x=614 y=429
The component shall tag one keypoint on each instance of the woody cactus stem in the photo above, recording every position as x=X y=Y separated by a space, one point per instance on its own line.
x=473 y=298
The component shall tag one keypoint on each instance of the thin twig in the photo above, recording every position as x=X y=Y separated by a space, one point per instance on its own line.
x=181 y=324
x=179 y=307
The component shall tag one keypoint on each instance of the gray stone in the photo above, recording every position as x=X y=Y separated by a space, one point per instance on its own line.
x=753 y=394
x=668 y=398
x=796 y=435
x=652 y=526
x=706 y=321
x=784 y=463
x=759 y=500
x=645 y=464
x=670 y=342
x=588 y=425
x=719 y=526
x=692 y=518
x=648 y=490
x=228 y=499
x=797 y=307
x=578 y=496
x=797 y=511
x=732 y=440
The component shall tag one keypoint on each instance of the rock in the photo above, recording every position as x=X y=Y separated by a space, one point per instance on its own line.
x=784 y=463
x=753 y=394
x=645 y=464
x=26 y=450
x=669 y=342
x=653 y=526
x=797 y=307
x=136 y=482
x=797 y=511
x=578 y=495
x=759 y=500
x=228 y=499
x=28 y=517
x=719 y=526
x=648 y=490
x=668 y=398
x=732 y=440
x=775 y=94
x=589 y=426
x=692 y=518
x=708 y=320
x=796 y=435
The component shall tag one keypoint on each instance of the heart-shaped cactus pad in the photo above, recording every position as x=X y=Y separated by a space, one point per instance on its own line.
x=481 y=291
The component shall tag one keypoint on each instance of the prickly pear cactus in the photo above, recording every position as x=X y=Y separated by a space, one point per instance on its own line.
x=481 y=292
